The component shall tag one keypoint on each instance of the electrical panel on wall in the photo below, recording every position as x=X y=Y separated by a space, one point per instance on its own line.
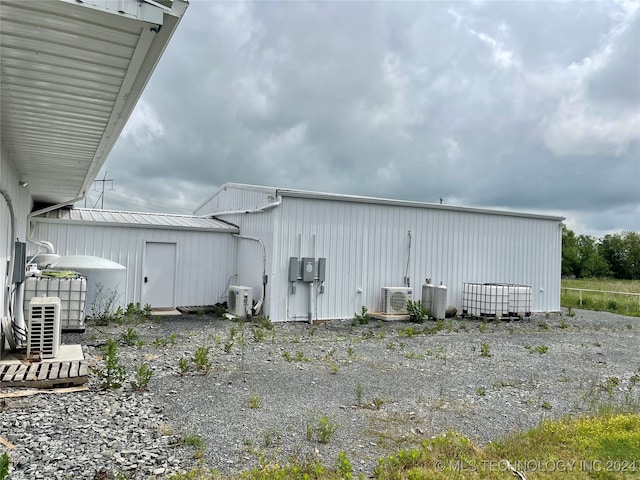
x=294 y=269
x=308 y=269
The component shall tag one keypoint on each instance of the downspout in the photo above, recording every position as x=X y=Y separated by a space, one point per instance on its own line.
x=260 y=303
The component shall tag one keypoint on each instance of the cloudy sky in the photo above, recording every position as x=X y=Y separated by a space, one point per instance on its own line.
x=509 y=105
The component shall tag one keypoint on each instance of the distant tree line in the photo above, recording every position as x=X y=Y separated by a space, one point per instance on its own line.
x=613 y=256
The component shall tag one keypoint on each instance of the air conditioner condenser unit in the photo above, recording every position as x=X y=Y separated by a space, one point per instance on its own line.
x=393 y=300
x=240 y=301
x=43 y=336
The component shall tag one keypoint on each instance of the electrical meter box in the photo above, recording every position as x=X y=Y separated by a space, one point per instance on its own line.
x=308 y=269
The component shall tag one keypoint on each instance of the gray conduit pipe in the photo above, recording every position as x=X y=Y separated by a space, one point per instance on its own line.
x=262 y=209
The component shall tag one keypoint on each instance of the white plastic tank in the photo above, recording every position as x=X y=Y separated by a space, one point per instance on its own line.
x=440 y=302
x=106 y=281
x=427 y=295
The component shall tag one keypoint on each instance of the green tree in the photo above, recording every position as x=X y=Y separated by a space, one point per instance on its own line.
x=590 y=261
x=622 y=253
x=569 y=252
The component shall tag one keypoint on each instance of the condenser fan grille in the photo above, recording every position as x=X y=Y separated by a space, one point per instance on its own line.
x=398 y=301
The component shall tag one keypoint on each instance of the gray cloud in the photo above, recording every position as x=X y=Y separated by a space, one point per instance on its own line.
x=527 y=106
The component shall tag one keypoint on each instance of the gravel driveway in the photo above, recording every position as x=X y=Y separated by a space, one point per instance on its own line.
x=365 y=390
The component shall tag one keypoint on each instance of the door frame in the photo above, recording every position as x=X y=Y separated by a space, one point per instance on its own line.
x=175 y=270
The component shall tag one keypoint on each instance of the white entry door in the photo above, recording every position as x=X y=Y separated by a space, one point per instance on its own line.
x=159 y=275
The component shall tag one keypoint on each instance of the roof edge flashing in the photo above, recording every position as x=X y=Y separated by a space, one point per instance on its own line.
x=145 y=11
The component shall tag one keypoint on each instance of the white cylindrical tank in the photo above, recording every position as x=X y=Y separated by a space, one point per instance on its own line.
x=440 y=302
x=106 y=281
x=427 y=295
x=45 y=260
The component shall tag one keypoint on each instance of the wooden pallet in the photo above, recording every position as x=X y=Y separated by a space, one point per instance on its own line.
x=191 y=310
x=44 y=374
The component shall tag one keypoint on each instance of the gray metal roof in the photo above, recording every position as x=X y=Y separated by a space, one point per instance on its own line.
x=135 y=219
x=286 y=192
x=70 y=75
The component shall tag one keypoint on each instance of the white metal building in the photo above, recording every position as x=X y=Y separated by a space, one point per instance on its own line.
x=369 y=243
x=171 y=260
x=70 y=75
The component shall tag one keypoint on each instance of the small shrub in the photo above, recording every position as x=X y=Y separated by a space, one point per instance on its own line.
x=201 y=359
x=183 y=364
x=103 y=307
x=143 y=375
x=258 y=335
x=227 y=347
x=481 y=392
x=377 y=403
x=130 y=337
x=363 y=318
x=408 y=332
x=113 y=374
x=4 y=466
x=321 y=430
x=344 y=469
x=254 y=402
x=266 y=323
x=334 y=369
x=417 y=312
x=546 y=405
x=160 y=342
x=192 y=440
x=484 y=350
x=541 y=349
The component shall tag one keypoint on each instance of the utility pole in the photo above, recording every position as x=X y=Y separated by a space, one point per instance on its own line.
x=103 y=183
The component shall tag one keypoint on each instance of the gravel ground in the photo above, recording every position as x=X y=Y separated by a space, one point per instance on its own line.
x=270 y=394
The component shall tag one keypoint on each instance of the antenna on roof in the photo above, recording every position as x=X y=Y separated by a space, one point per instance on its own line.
x=101 y=197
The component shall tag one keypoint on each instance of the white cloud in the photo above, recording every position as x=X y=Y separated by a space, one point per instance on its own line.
x=144 y=125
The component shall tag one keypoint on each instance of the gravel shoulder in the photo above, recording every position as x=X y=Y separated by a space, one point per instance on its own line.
x=270 y=395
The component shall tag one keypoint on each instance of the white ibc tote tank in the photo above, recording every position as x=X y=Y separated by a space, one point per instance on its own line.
x=111 y=276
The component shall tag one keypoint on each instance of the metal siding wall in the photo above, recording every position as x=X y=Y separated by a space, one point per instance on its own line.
x=21 y=201
x=205 y=259
x=366 y=247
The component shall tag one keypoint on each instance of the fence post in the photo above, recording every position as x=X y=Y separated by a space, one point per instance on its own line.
x=580 y=297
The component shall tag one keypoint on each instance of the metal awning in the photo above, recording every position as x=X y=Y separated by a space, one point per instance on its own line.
x=71 y=72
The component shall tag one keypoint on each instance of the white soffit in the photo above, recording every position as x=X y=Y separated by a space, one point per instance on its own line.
x=71 y=74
